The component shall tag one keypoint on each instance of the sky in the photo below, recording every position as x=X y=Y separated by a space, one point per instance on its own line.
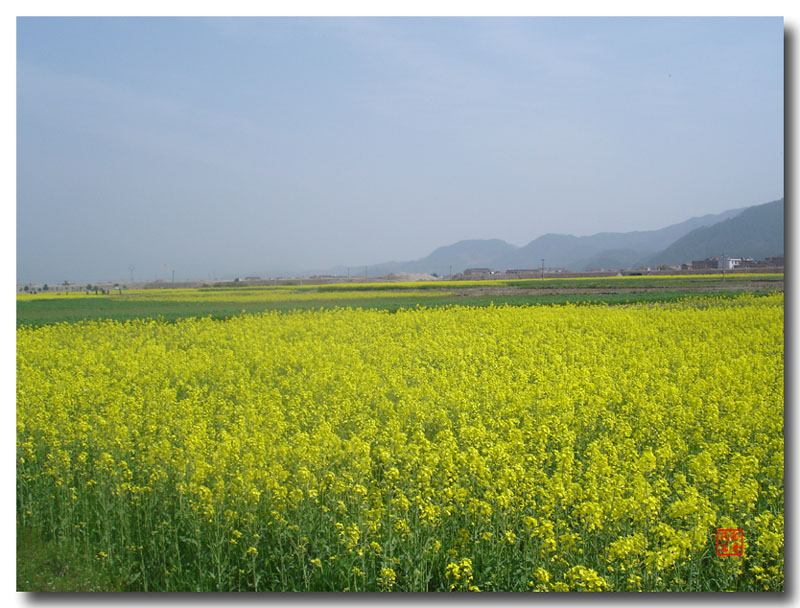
x=224 y=147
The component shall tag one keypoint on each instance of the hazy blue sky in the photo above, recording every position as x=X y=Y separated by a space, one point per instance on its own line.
x=232 y=146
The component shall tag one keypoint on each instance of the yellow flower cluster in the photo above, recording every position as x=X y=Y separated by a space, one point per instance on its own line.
x=498 y=448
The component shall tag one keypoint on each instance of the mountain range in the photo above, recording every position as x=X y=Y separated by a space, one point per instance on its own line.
x=755 y=232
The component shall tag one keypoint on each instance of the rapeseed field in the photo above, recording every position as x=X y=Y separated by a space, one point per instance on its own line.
x=541 y=448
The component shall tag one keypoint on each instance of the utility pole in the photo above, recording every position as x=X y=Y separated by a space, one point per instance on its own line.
x=131 y=267
x=451 y=272
x=723 y=265
x=542 y=269
x=173 y=277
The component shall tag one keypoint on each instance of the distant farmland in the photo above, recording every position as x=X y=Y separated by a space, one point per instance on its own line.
x=224 y=302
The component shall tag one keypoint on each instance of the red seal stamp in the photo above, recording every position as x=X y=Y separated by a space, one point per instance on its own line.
x=730 y=542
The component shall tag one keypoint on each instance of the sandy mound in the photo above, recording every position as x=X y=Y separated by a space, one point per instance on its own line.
x=411 y=276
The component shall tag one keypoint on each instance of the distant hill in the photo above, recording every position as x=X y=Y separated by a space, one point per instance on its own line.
x=456 y=257
x=673 y=244
x=757 y=232
x=611 y=250
x=469 y=253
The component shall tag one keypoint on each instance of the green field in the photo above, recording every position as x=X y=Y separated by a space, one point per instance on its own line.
x=225 y=302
